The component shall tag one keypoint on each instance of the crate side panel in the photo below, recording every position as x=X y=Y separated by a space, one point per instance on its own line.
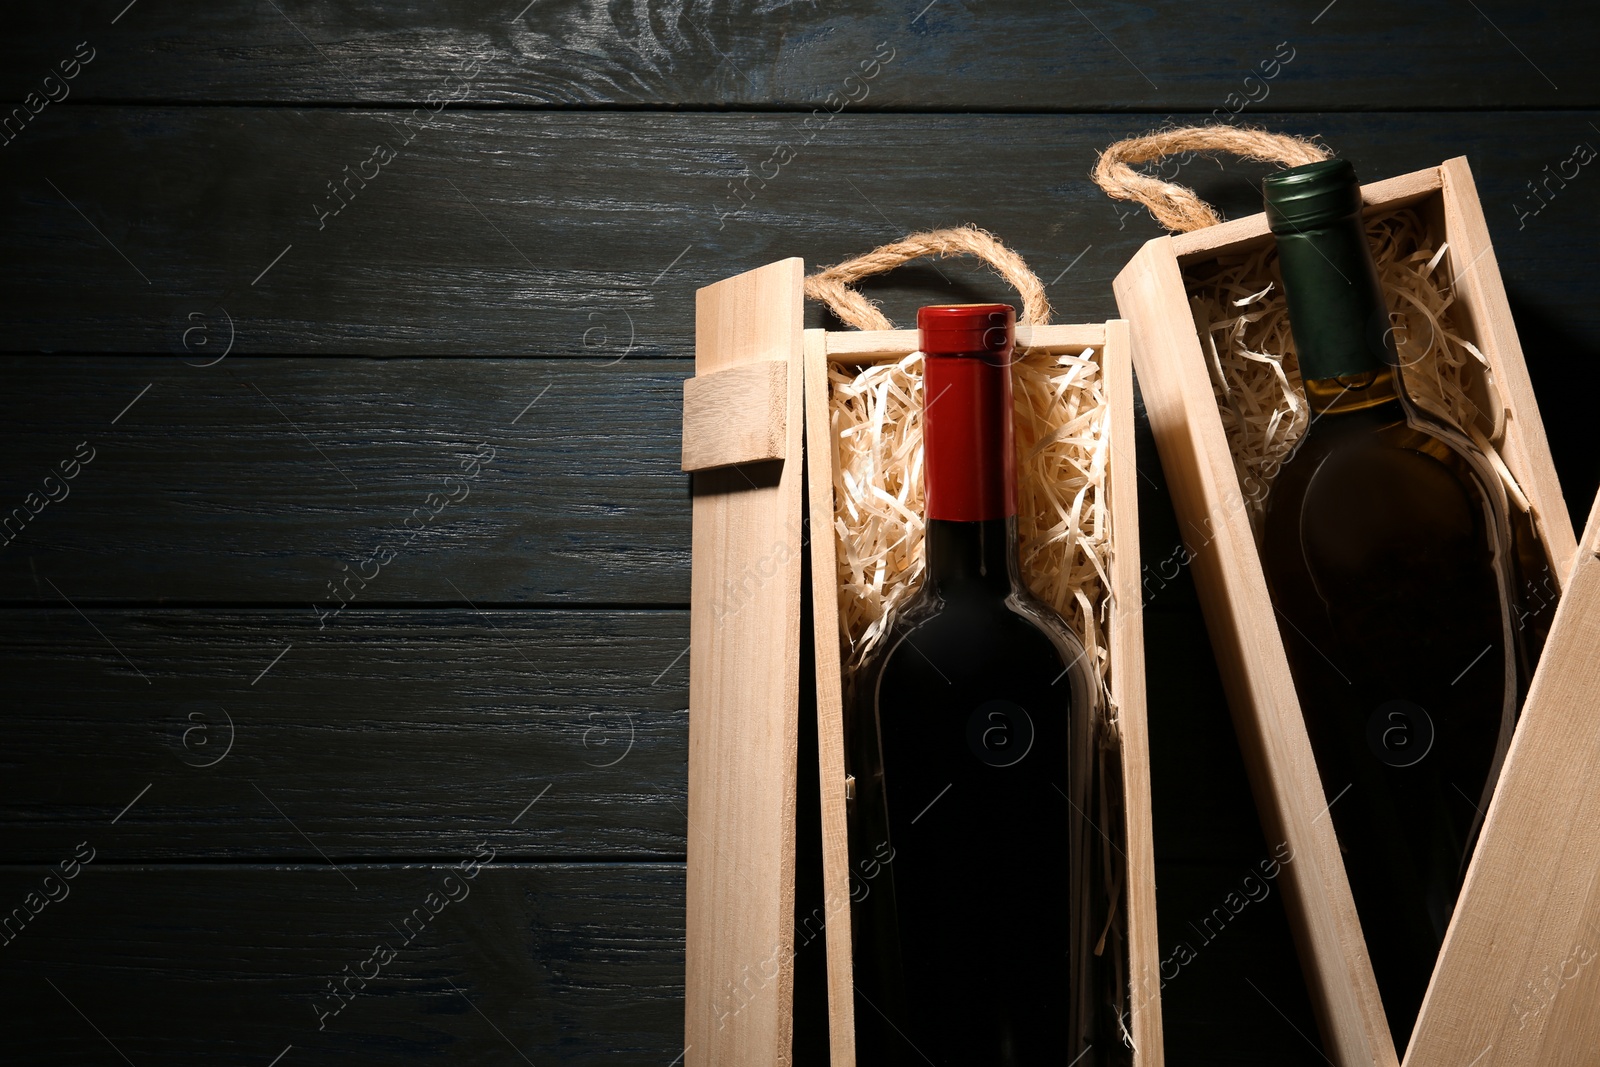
x=1479 y=287
x=824 y=593
x=1128 y=691
x=744 y=674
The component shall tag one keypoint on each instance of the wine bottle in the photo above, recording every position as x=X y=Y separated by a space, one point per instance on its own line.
x=1387 y=550
x=977 y=887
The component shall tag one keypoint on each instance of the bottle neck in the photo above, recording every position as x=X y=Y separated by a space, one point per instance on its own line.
x=1350 y=392
x=969 y=468
x=972 y=559
x=1336 y=305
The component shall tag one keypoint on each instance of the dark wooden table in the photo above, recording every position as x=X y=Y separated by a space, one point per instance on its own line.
x=326 y=305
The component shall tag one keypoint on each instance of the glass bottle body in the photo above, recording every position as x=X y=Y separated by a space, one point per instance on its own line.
x=1390 y=563
x=977 y=877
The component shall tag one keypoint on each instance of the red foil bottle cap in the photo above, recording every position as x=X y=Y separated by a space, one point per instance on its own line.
x=968 y=462
x=967 y=329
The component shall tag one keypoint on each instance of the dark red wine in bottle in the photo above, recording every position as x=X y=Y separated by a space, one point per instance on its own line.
x=977 y=876
x=1390 y=559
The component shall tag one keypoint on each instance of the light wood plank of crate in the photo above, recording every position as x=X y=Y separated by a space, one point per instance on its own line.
x=1128 y=694
x=1250 y=658
x=1482 y=294
x=1518 y=979
x=744 y=678
x=830 y=704
x=736 y=415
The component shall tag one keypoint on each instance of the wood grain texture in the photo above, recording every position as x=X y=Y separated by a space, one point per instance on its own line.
x=737 y=415
x=1481 y=296
x=389 y=734
x=270 y=480
x=1516 y=984
x=744 y=697
x=621 y=216
x=1127 y=651
x=952 y=56
x=1240 y=619
x=200 y=964
x=828 y=659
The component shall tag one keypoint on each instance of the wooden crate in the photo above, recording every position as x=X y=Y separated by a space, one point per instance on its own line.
x=1188 y=429
x=759 y=394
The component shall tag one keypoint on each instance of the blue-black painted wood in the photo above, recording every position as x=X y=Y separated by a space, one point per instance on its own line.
x=317 y=482
x=947 y=55
x=580 y=170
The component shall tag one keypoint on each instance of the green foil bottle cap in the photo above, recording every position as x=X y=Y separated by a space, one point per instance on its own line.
x=1311 y=196
x=1336 y=305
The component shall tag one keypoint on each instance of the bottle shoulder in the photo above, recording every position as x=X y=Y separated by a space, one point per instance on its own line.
x=969 y=638
x=1019 y=611
x=1384 y=449
x=1382 y=513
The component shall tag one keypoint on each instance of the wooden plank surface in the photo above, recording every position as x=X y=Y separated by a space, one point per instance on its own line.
x=737 y=415
x=1009 y=55
x=744 y=698
x=305 y=481
x=828 y=659
x=1481 y=294
x=252 y=735
x=1516 y=984
x=201 y=964
x=595 y=229
x=1128 y=691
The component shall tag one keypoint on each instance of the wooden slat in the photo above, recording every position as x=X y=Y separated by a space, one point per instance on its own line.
x=410 y=267
x=744 y=695
x=1481 y=294
x=1255 y=672
x=1128 y=692
x=268 y=479
x=548 y=963
x=824 y=595
x=737 y=415
x=949 y=56
x=393 y=733
x=1517 y=984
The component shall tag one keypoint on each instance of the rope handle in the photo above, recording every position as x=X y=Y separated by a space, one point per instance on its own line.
x=1177 y=207
x=832 y=285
